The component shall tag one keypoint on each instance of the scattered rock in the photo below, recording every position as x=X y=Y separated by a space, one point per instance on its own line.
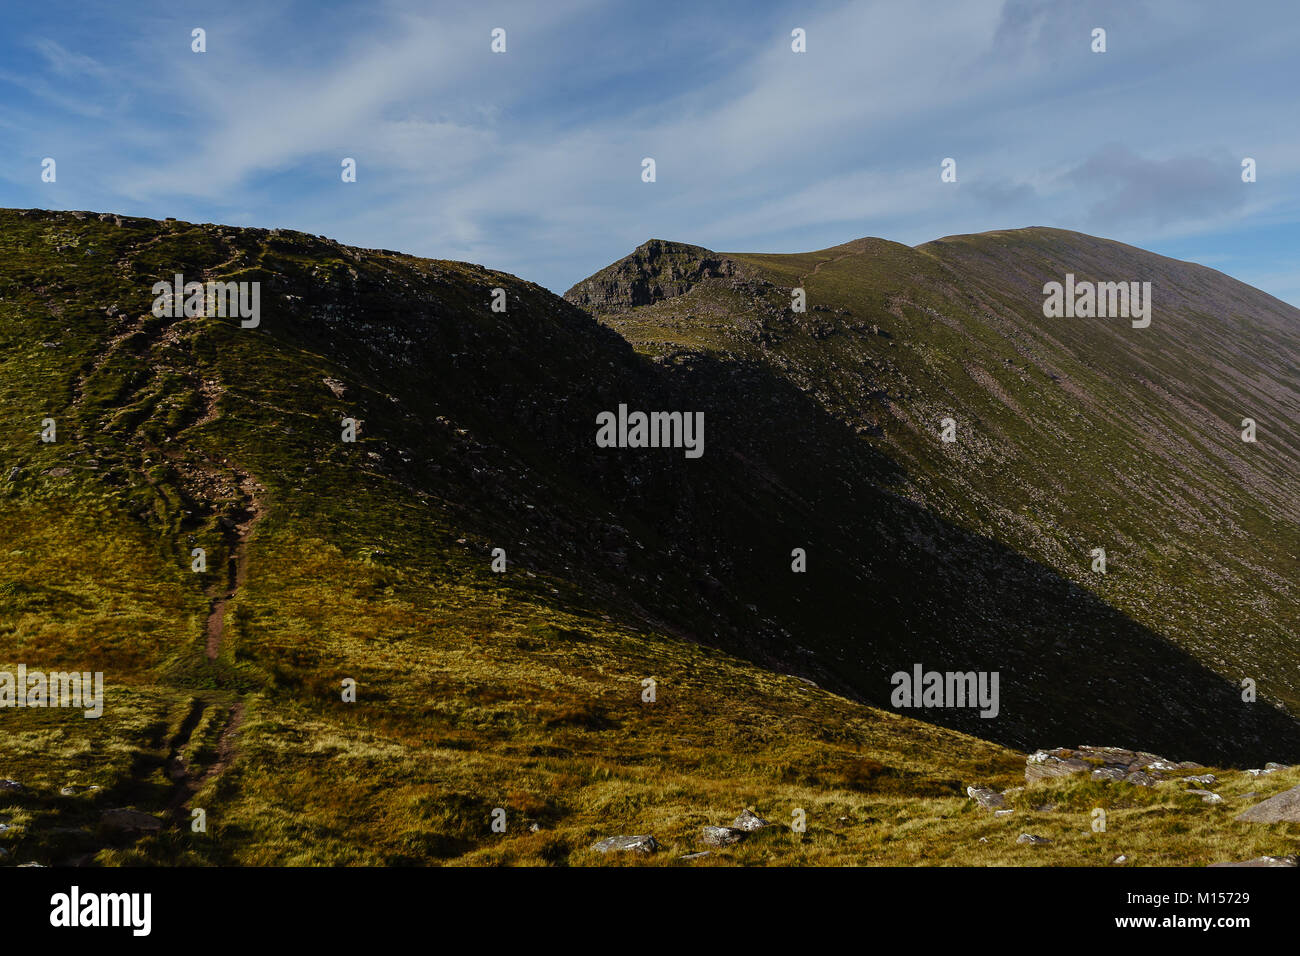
x=643 y=843
x=749 y=821
x=1282 y=808
x=1119 y=859
x=125 y=820
x=1205 y=780
x=722 y=836
x=1003 y=813
x=1208 y=796
x=1141 y=778
x=73 y=789
x=986 y=798
x=696 y=856
x=1032 y=840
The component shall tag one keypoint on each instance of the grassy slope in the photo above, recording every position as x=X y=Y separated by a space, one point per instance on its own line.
x=476 y=690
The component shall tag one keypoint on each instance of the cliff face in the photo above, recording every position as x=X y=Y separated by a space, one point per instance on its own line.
x=654 y=271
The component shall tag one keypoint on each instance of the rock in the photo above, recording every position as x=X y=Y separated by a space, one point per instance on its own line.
x=125 y=820
x=986 y=798
x=643 y=843
x=749 y=821
x=1205 y=779
x=722 y=836
x=696 y=856
x=1003 y=813
x=11 y=786
x=1031 y=840
x=1208 y=796
x=73 y=789
x=1264 y=861
x=1141 y=778
x=1282 y=808
x=1118 y=860
x=335 y=386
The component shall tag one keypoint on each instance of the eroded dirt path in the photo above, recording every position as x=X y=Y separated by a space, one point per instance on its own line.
x=187 y=777
x=240 y=528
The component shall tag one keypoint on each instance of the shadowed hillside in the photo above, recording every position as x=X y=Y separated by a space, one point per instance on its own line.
x=1072 y=433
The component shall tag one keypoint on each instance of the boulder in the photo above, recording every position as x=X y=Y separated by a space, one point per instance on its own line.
x=749 y=821
x=986 y=798
x=643 y=843
x=1207 y=796
x=1282 y=808
x=722 y=836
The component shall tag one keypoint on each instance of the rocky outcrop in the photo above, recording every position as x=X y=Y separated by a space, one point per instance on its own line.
x=654 y=271
x=1105 y=763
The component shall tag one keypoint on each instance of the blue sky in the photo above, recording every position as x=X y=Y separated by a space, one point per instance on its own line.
x=530 y=161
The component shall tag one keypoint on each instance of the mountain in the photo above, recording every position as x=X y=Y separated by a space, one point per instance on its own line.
x=647 y=661
x=1072 y=433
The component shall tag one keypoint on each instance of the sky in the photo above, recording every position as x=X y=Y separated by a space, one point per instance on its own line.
x=530 y=161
